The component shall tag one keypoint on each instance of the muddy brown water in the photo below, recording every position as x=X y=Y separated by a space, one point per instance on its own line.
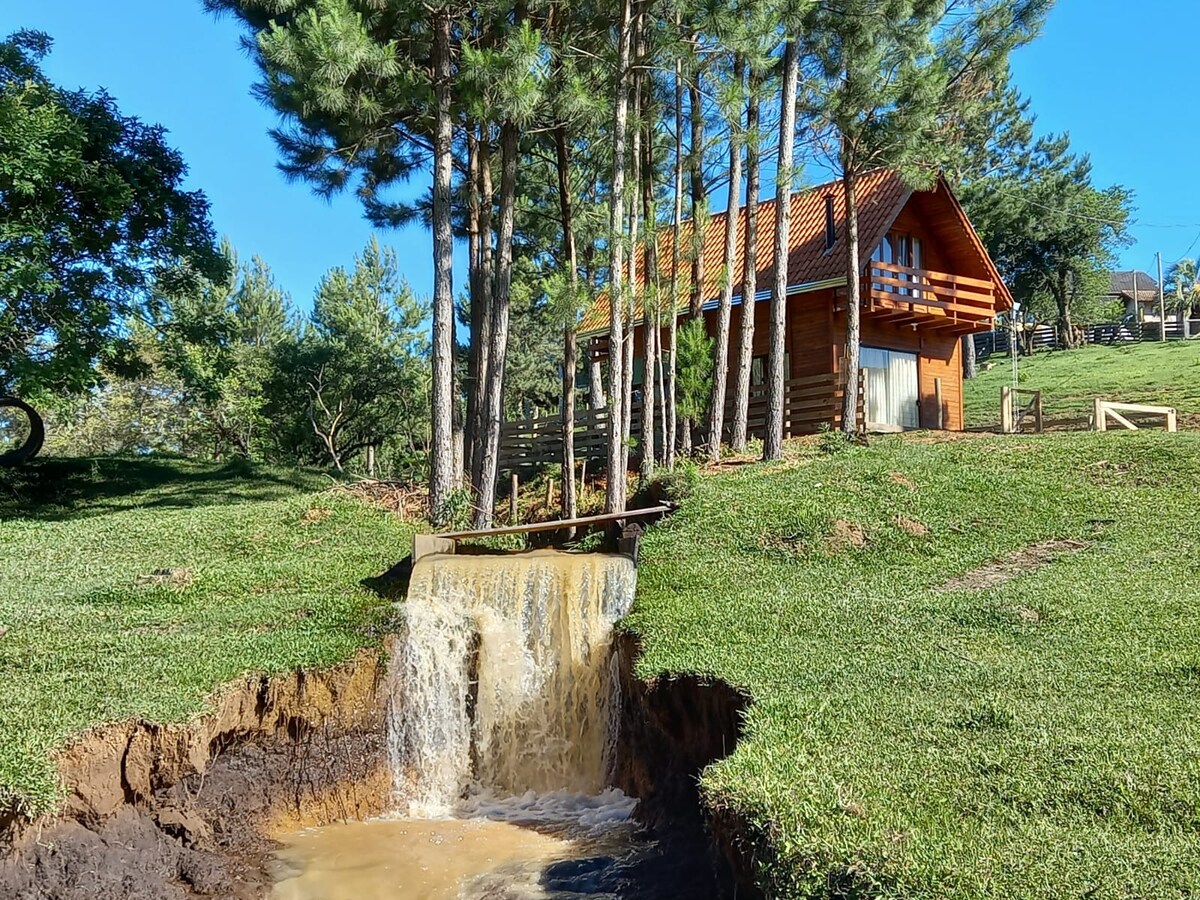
x=502 y=733
x=587 y=847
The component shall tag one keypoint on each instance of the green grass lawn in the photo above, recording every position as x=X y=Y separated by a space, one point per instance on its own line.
x=1162 y=374
x=1037 y=739
x=273 y=562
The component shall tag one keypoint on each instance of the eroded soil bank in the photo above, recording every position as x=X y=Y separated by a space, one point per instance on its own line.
x=165 y=812
x=182 y=811
x=672 y=727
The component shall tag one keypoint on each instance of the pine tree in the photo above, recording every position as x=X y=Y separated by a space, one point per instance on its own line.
x=615 y=488
x=716 y=404
x=741 y=391
x=777 y=351
x=361 y=359
x=365 y=90
x=890 y=78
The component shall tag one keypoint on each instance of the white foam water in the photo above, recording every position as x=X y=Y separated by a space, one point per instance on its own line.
x=503 y=684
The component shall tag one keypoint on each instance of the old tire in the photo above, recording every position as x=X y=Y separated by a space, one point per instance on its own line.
x=33 y=443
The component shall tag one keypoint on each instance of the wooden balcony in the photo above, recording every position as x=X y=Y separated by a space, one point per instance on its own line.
x=899 y=295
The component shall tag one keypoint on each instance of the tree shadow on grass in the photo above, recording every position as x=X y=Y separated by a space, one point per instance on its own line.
x=57 y=489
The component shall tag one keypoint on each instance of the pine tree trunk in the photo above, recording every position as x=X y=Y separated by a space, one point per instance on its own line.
x=474 y=279
x=596 y=398
x=498 y=351
x=853 y=302
x=970 y=360
x=716 y=406
x=776 y=376
x=670 y=408
x=699 y=195
x=635 y=218
x=562 y=155
x=481 y=349
x=441 y=456
x=741 y=396
x=651 y=355
x=614 y=499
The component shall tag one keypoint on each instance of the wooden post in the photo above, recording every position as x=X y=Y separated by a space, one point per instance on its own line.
x=1037 y=411
x=512 y=500
x=1172 y=420
x=1006 y=410
x=582 y=475
x=1098 y=423
x=937 y=396
x=549 y=493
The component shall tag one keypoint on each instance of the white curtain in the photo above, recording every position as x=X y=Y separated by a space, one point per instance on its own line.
x=892 y=393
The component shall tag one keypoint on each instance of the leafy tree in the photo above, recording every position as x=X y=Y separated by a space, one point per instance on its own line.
x=93 y=215
x=1053 y=234
x=126 y=417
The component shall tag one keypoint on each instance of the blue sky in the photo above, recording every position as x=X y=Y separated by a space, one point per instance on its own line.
x=1126 y=99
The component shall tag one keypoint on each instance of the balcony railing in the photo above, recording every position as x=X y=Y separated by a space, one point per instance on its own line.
x=902 y=295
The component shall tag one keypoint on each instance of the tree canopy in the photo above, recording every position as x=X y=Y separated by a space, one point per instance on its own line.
x=94 y=213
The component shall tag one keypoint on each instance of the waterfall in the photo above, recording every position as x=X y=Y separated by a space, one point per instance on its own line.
x=502 y=683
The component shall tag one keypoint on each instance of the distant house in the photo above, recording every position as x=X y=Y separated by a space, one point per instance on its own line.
x=1138 y=292
x=927 y=280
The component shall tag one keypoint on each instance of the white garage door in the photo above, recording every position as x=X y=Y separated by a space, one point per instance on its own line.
x=892 y=395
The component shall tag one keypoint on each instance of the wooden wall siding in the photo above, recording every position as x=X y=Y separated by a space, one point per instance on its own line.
x=941 y=357
x=956 y=250
x=810 y=341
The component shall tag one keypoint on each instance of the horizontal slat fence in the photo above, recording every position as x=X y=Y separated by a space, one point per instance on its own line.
x=1045 y=337
x=809 y=403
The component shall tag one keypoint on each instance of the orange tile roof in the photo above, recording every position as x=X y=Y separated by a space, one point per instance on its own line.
x=881 y=196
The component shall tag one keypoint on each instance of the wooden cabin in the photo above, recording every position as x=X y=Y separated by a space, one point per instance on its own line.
x=927 y=280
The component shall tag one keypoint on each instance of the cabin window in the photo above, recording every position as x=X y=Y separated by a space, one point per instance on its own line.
x=899 y=249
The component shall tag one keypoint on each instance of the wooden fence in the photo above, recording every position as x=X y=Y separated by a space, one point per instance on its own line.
x=1045 y=337
x=1022 y=411
x=1106 y=412
x=809 y=403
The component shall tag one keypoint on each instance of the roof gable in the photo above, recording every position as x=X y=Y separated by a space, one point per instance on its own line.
x=881 y=195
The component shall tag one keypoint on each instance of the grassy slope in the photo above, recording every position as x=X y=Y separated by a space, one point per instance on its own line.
x=1165 y=374
x=907 y=743
x=273 y=586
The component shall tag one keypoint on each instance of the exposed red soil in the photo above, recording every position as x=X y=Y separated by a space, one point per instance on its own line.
x=175 y=811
